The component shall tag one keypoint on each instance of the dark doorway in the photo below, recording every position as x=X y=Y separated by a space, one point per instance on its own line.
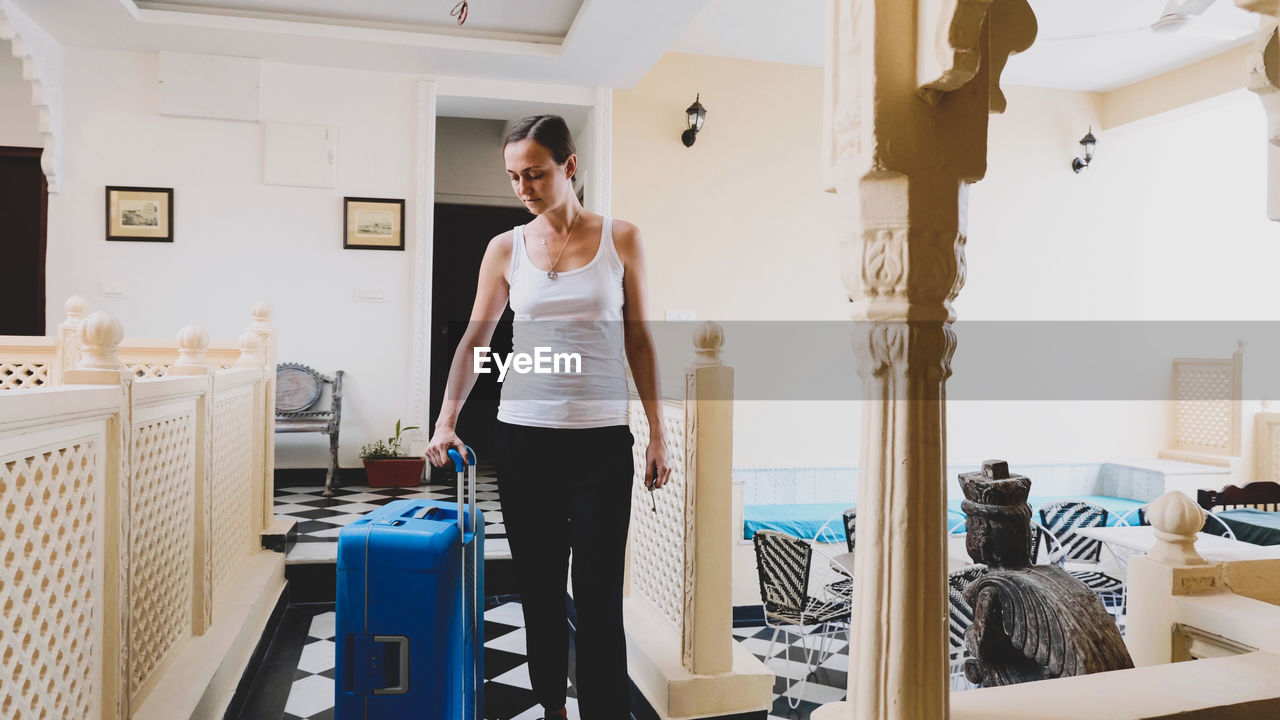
x=462 y=232
x=24 y=203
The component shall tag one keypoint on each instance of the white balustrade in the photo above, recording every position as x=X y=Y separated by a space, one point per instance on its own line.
x=679 y=575
x=130 y=516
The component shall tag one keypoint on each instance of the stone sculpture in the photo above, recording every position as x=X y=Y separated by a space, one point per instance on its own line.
x=1030 y=622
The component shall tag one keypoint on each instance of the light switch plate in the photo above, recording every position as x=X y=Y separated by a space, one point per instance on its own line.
x=369 y=295
x=681 y=315
x=111 y=291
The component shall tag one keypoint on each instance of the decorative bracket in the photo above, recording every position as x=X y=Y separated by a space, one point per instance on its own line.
x=41 y=58
x=951 y=35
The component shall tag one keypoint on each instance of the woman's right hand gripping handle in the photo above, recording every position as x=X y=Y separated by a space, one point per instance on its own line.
x=438 y=449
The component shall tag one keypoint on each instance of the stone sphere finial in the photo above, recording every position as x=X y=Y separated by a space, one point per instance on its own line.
x=262 y=311
x=250 y=351
x=193 y=342
x=1176 y=519
x=708 y=338
x=100 y=337
x=76 y=307
x=192 y=338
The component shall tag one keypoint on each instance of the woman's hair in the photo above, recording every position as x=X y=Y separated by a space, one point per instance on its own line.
x=549 y=131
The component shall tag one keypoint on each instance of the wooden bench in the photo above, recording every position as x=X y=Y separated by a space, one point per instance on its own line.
x=299 y=390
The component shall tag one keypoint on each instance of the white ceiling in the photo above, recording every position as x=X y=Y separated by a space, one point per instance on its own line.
x=792 y=31
x=609 y=43
x=519 y=16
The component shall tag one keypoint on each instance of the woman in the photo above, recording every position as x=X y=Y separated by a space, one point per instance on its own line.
x=576 y=284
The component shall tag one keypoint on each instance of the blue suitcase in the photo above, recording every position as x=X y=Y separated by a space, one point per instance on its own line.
x=410 y=614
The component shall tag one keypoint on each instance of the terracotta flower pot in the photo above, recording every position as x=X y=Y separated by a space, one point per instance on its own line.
x=394 y=472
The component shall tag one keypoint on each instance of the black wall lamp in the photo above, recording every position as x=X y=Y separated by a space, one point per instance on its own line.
x=1087 y=145
x=694 y=115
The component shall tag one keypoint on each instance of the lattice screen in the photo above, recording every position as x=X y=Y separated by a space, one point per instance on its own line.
x=148 y=370
x=657 y=539
x=1274 y=447
x=49 y=539
x=1204 y=407
x=232 y=482
x=21 y=376
x=161 y=506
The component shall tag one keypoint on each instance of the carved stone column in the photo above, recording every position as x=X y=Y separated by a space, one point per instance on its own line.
x=909 y=89
x=1264 y=79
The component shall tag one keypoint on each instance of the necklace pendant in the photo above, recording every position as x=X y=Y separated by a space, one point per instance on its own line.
x=552 y=274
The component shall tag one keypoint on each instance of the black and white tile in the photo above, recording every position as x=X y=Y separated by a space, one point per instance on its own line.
x=508 y=695
x=507 y=690
x=321 y=518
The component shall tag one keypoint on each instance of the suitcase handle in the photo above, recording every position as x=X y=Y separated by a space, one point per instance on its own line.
x=470 y=472
x=402 y=684
x=456 y=457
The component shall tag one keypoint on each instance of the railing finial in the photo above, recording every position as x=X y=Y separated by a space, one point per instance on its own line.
x=262 y=312
x=250 y=351
x=76 y=307
x=100 y=337
x=1176 y=520
x=193 y=342
x=708 y=339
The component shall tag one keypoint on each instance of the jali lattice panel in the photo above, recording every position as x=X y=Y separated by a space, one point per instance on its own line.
x=49 y=536
x=160 y=547
x=22 y=376
x=1203 y=408
x=657 y=538
x=232 y=481
x=144 y=371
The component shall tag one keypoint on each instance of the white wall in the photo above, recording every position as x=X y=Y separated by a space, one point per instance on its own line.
x=18 y=118
x=1157 y=228
x=237 y=240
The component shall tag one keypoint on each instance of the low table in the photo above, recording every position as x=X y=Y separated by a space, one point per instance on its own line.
x=1126 y=541
x=957 y=557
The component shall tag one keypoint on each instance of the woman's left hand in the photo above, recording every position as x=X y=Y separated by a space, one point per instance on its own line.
x=657 y=471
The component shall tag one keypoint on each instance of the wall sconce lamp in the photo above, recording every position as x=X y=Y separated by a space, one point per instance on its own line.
x=694 y=115
x=1087 y=145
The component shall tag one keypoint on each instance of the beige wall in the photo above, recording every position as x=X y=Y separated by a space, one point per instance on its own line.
x=737 y=228
x=741 y=210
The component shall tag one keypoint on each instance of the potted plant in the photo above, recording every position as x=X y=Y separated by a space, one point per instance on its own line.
x=386 y=467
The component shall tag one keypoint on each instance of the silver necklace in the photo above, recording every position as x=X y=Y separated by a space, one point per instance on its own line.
x=552 y=274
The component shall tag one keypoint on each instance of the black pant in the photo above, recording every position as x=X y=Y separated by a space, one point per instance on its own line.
x=561 y=490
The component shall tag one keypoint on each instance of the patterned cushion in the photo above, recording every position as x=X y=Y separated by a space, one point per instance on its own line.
x=1064 y=518
x=960 y=616
x=841 y=589
x=815 y=611
x=1098 y=582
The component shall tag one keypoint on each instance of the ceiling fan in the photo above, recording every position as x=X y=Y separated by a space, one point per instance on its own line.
x=1179 y=16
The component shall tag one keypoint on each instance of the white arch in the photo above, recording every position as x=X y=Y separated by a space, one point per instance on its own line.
x=41 y=58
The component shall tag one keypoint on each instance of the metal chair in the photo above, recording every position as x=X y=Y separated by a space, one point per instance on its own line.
x=1061 y=520
x=960 y=617
x=299 y=390
x=782 y=564
x=842 y=589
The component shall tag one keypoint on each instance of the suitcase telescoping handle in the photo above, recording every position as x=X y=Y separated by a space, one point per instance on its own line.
x=469 y=465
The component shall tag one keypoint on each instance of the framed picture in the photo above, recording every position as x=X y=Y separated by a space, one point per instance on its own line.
x=140 y=214
x=372 y=224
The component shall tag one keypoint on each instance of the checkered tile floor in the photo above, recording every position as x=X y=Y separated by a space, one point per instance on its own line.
x=507 y=691
x=320 y=519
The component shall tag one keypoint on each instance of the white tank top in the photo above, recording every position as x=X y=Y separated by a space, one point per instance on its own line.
x=578 y=312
